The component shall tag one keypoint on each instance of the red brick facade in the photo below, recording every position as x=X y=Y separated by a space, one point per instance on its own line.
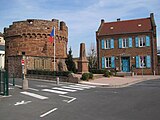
x=31 y=37
x=125 y=46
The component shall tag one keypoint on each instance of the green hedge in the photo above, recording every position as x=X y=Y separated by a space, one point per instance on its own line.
x=97 y=71
x=44 y=72
x=87 y=76
x=107 y=74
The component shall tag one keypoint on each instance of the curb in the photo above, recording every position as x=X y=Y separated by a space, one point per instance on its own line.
x=117 y=86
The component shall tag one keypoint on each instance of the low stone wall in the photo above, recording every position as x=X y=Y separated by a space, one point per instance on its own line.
x=71 y=78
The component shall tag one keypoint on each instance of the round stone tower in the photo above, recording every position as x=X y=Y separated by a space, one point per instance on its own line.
x=30 y=38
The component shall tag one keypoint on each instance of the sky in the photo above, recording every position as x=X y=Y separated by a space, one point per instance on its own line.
x=82 y=17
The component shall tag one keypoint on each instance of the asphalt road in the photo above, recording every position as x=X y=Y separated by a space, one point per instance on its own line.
x=137 y=102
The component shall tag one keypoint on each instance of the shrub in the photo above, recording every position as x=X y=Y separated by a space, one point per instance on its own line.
x=85 y=76
x=90 y=75
x=107 y=74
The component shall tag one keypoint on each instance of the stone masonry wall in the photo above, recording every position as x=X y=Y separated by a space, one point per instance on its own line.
x=31 y=36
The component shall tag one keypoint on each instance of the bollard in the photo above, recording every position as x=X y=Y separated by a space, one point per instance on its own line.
x=57 y=79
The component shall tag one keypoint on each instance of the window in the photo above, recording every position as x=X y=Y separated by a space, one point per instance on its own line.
x=142 y=42
x=125 y=43
x=108 y=46
x=142 y=61
x=108 y=62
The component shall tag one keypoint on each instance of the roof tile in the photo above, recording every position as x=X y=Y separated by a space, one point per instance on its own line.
x=127 y=26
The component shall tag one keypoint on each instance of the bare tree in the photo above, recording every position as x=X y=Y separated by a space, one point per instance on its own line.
x=92 y=57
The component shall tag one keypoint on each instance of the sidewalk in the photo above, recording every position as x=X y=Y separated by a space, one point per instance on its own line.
x=118 y=82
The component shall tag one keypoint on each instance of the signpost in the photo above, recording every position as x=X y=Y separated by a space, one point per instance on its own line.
x=24 y=80
x=22 y=62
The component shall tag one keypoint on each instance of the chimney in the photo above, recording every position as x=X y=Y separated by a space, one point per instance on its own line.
x=102 y=21
x=152 y=19
x=119 y=19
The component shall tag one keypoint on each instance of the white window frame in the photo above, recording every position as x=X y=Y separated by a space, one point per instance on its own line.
x=142 y=41
x=108 y=62
x=144 y=62
x=125 y=42
x=108 y=44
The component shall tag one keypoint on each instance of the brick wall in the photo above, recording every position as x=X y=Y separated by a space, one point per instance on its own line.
x=129 y=52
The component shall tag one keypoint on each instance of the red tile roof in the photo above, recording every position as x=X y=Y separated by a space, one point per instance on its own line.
x=127 y=26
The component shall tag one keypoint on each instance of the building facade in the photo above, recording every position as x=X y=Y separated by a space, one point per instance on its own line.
x=31 y=38
x=128 y=46
x=2 y=51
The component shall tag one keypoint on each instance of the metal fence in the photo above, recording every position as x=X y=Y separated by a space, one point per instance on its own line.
x=4 y=83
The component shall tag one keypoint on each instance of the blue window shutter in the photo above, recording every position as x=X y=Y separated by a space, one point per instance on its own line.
x=103 y=62
x=120 y=42
x=148 y=61
x=137 y=61
x=130 y=41
x=102 y=44
x=112 y=62
x=136 y=41
x=112 y=43
x=147 y=41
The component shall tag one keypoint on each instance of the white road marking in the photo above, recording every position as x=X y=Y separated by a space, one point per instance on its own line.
x=74 y=88
x=21 y=87
x=86 y=85
x=35 y=95
x=22 y=103
x=64 y=89
x=45 y=114
x=10 y=88
x=83 y=87
x=54 y=91
x=41 y=85
x=72 y=98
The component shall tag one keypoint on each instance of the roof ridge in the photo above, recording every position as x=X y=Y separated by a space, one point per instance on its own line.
x=127 y=20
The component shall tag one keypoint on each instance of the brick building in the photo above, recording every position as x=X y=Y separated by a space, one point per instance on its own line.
x=128 y=46
x=30 y=37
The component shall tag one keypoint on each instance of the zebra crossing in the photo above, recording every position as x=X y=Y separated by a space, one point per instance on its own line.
x=60 y=90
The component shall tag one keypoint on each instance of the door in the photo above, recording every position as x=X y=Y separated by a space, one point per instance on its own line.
x=125 y=64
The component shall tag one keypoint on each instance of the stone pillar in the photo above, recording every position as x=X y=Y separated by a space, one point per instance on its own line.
x=82 y=62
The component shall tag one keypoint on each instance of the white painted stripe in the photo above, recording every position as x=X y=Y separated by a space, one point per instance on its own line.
x=86 y=85
x=54 y=91
x=45 y=114
x=15 y=85
x=34 y=95
x=21 y=87
x=72 y=98
x=72 y=88
x=66 y=96
x=76 y=86
x=64 y=89
x=18 y=86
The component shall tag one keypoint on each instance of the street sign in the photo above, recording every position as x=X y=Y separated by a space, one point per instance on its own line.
x=22 y=62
